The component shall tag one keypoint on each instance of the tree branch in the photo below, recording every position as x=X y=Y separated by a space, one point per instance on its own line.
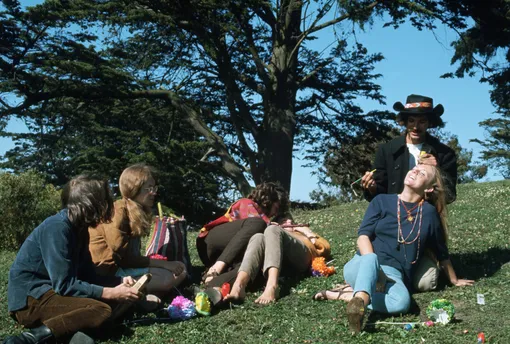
x=314 y=28
x=262 y=68
x=315 y=71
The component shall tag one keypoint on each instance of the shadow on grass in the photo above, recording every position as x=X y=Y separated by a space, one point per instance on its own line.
x=475 y=265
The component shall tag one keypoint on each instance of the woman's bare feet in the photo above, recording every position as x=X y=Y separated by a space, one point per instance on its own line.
x=237 y=293
x=270 y=294
x=342 y=292
x=334 y=295
x=214 y=270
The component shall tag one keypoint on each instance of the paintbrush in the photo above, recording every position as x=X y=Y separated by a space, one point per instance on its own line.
x=357 y=180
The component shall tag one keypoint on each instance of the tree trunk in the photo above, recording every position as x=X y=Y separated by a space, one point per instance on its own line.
x=280 y=98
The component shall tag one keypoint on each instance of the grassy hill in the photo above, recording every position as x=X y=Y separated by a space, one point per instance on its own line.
x=479 y=245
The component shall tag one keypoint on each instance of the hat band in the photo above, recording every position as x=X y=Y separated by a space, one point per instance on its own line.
x=418 y=105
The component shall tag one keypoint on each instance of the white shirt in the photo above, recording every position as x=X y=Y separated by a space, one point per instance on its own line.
x=414 y=154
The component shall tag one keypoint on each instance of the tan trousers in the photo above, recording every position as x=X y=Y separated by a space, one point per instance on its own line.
x=275 y=248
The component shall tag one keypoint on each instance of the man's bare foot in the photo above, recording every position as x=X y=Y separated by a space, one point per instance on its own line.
x=237 y=293
x=269 y=295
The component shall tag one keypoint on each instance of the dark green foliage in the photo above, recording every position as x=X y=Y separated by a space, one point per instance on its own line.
x=26 y=200
x=467 y=170
x=242 y=76
x=105 y=139
x=497 y=144
x=351 y=156
x=484 y=46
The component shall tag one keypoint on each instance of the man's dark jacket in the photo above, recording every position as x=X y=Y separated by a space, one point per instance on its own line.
x=392 y=164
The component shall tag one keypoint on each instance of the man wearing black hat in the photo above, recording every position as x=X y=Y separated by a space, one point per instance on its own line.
x=395 y=158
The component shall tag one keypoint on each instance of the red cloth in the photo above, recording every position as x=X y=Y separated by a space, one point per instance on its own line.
x=240 y=210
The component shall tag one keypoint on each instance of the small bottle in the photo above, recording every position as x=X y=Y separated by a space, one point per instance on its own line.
x=481 y=338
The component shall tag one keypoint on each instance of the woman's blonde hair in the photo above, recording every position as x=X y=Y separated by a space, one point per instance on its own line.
x=437 y=198
x=130 y=184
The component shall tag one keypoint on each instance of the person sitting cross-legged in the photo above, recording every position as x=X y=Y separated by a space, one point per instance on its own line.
x=115 y=245
x=53 y=289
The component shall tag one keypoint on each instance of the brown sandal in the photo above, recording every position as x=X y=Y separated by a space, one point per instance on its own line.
x=340 y=289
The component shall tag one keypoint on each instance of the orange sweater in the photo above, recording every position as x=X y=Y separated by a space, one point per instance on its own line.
x=110 y=245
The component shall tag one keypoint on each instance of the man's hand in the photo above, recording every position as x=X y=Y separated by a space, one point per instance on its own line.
x=368 y=182
x=120 y=293
x=463 y=282
x=427 y=159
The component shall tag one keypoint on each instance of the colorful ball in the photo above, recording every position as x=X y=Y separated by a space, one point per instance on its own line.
x=181 y=308
x=203 y=304
x=408 y=327
x=429 y=323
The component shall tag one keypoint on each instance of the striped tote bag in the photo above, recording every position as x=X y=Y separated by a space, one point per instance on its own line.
x=169 y=240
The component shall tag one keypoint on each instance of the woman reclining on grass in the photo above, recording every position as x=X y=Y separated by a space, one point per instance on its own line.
x=221 y=243
x=394 y=233
x=290 y=248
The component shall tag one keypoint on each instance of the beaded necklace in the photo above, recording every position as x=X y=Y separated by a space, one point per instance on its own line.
x=400 y=235
x=410 y=217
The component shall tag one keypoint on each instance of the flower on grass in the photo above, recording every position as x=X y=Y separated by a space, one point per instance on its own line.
x=319 y=267
x=181 y=308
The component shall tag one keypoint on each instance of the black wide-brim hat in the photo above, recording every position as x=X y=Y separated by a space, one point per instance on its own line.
x=420 y=105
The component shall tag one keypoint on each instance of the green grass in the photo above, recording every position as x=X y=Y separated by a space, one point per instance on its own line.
x=479 y=244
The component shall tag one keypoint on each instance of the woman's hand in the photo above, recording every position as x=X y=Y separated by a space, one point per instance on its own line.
x=463 y=282
x=128 y=281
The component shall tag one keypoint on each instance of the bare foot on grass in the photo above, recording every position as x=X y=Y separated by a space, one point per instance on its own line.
x=269 y=295
x=237 y=293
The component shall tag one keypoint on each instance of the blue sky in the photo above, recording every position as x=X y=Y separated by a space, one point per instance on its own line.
x=413 y=62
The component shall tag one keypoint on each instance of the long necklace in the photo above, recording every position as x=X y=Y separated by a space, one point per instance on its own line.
x=400 y=234
x=410 y=217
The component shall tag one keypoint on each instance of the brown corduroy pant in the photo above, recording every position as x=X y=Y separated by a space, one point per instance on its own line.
x=63 y=315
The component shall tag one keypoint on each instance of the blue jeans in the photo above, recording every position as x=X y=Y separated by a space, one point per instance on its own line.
x=361 y=272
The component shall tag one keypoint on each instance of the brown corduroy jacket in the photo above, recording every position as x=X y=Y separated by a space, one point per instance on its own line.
x=110 y=244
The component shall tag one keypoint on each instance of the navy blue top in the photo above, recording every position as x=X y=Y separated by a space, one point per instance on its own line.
x=381 y=226
x=54 y=256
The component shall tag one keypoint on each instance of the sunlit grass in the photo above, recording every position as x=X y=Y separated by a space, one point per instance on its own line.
x=479 y=244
